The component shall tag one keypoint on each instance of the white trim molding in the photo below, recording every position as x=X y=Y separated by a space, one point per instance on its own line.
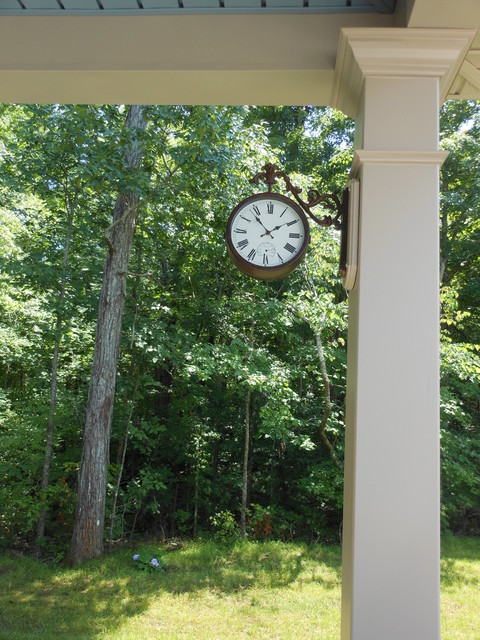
x=362 y=157
x=397 y=53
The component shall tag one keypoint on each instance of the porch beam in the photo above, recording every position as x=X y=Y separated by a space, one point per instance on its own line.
x=170 y=59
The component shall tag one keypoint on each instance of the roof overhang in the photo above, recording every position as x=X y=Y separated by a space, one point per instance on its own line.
x=285 y=56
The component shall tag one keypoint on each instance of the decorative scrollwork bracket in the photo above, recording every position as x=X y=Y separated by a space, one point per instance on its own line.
x=338 y=218
x=271 y=173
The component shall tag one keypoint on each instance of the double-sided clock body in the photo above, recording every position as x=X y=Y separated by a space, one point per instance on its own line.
x=267 y=236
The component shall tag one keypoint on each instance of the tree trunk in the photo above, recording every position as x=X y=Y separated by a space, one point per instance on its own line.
x=87 y=539
x=53 y=387
x=444 y=241
x=326 y=396
x=243 y=513
x=196 y=498
x=246 y=450
x=121 y=465
x=122 y=449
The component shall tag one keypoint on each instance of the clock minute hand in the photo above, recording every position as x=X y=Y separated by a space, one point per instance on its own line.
x=267 y=232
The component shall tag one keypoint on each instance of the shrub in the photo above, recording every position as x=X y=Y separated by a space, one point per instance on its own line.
x=225 y=525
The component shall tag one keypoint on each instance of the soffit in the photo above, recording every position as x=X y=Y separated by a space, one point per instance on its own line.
x=442 y=14
x=451 y=14
x=466 y=85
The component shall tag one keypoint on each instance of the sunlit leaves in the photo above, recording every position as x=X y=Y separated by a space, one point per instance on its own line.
x=198 y=334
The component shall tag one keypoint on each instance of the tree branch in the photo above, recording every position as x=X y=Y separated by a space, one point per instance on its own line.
x=325 y=381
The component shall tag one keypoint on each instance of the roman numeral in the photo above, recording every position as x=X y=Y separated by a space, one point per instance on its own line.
x=294 y=235
x=280 y=257
x=247 y=219
x=283 y=212
x=245 y=231
x=256 y=209
x=289 y=247
x=252 y=254
x=289 y=224
x=242 y=244
x=270 y=207
x=265 y=259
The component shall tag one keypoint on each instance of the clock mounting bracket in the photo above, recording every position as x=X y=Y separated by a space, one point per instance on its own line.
x=271 y=173
x=343 y=214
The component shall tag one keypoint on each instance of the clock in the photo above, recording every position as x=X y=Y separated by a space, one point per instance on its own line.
x=267 y=236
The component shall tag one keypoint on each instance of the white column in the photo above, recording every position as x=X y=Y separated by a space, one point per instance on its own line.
x=393 y=81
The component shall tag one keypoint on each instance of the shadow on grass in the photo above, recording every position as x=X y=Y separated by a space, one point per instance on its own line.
x=52 y=602
x=229 y=569
x=459 y=557
x=37 y=601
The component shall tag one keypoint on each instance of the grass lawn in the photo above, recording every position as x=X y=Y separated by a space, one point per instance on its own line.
x=460 y=589
x=271 y=591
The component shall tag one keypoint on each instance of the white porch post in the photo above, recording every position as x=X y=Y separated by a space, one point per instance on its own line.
x=393 y=81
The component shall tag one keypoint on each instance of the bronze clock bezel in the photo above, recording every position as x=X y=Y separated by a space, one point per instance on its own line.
x=274 y=272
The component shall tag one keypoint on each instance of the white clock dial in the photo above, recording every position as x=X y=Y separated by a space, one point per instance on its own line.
x=268 y=232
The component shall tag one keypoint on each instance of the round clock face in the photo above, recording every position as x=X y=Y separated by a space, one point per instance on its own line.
x=267 y=235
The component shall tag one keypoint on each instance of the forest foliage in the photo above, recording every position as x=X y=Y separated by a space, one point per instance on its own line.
x=201 y=344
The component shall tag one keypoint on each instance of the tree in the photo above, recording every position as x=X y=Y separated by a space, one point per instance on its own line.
x=46 y=182
x=87 y=538
x=199 y=419
x=459 y=295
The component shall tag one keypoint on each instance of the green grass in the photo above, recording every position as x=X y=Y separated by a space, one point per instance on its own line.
x=244 y=591
x=460 y=588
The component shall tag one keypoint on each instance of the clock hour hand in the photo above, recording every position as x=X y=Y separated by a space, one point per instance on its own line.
x=278 y=226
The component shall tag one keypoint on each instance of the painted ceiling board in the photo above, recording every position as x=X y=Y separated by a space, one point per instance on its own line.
x=201 y=4
x=243 y=4
x=112 y=5
x=80 y=5
x=38 y=5
x=160 y=4
x=331 y=4
x=290 y=4
x=9 y=5
x=336 y=4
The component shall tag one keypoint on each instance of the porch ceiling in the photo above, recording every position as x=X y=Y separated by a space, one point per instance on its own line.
x=184 y=7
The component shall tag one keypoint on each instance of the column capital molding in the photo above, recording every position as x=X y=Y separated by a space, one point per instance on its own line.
x=363 y=157
x=395 y=53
